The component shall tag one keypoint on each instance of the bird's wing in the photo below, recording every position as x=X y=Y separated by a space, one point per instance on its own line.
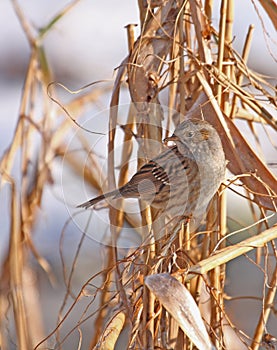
x=155 y=175
x=149 y=179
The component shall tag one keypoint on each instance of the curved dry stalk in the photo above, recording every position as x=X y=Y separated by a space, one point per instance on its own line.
x=267 y=307
x=232 y=252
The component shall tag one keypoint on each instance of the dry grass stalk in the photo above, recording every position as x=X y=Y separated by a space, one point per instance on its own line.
x=268 y=302
x=271 y=9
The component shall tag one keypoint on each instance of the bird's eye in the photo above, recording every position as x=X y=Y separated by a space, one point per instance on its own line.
x=190 y=134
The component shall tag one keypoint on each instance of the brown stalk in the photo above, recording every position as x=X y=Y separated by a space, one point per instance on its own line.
x=220 y=56
x=208 y=7
x=30 y=193
x=181 y=60
x=9 y=155
x=201 y=25
x=265 y=312
x=219 y=226
x=113 y=213
x=232 y=252
x=109 y=337
x=271 y=9
x=16 y=265
x=245 y=54
x=246 y=97
x=173 y=73
x=104 y=300
x=127 y=143
x=213 y=229
x=228 y=66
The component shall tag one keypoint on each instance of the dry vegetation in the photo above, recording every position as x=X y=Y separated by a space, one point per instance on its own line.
x=182 y=55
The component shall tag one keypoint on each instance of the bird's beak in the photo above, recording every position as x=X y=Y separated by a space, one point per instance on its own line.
x=172 y=138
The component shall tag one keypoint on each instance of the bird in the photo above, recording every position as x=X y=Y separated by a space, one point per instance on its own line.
x=183 y=178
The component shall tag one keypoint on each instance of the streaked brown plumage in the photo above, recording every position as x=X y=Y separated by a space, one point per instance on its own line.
x=182 y=179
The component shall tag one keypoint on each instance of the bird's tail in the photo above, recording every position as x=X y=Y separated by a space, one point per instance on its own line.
x=95 y=200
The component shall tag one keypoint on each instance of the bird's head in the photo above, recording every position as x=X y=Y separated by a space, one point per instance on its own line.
x=195 y=136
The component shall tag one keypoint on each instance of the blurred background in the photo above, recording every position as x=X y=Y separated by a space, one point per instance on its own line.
x=86 y=45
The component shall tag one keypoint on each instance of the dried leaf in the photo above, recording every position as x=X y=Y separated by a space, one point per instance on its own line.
x=270 y=7
x=149 y=52
x=178 y=301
